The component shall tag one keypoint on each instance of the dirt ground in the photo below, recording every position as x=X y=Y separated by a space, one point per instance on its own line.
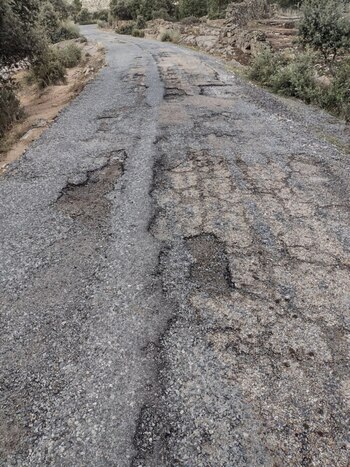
x=41 y=107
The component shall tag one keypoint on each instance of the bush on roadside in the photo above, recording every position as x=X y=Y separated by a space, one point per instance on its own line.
x=337 y=97
x=48 y=21
x=101 y=15
x=138 y=32
x=121 y=9
x=264 y=66
x=297 y=78
x=102 y=24
x=170 y=36
x=10 y=110
x=55 y=29
x=65 y=31
x=69 y=56
x=140 y=22
x=162 y=13
x=197 y=8
x=48 y=69
x=125 y=29
x=324 y=27
x=84 y=17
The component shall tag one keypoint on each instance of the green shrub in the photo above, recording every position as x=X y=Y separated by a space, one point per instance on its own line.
x=53 y=28
x=61 y=7
x=170 y=36
x=125 y=29
x=162 y=13
x=140 y=22
x=324 y=27
x=101 y=15
x=9 y=106
x=48 y=21
x=264 y=66
x=336 y=98
x=121 y=9
x=75 y=7
x=193 y=8
x=84 y=17
x=296 y=78
x=65 y=31
x=48 y=69
x=69 y=56
x=138 y=32
x=102 y=24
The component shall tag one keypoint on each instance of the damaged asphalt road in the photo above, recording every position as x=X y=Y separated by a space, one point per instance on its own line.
x=175 y=275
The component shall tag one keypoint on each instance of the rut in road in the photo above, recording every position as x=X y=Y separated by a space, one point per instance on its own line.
x=176 y=271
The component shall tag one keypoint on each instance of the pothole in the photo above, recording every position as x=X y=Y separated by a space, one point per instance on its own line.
x=210 y=269
x=84 y=196
x=173 y=93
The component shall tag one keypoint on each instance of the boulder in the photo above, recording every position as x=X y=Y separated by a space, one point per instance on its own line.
x=240 y=13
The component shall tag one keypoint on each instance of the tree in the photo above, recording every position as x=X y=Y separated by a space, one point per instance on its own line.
x=217 y=7
x=19 y=38
x=121 y=9
x=193 y=8
x=48 y=20
x=84 y=16
x=324 y=27
x=131 y=9
x=77 y=5
x=74 y=8
x=61 y=8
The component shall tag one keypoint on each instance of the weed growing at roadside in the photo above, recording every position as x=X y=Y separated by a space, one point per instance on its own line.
x=125 y=29
x=170 y=36
x=138 y=32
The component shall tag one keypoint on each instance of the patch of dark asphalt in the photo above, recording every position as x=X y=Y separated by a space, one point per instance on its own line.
x=210 y=269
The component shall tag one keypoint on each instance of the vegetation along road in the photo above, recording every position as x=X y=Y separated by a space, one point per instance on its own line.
x=175 y=274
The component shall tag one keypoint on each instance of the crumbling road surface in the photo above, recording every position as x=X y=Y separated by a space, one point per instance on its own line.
x=175 y=275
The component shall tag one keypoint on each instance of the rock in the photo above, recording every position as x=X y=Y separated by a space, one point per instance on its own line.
x=323 y=81
x=251 y=42
x=206 y=42
x=240 y=13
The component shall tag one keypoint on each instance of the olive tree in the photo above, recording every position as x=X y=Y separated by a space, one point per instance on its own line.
x=324 y=27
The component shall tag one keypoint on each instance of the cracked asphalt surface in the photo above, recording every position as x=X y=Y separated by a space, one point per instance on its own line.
x=175 y=275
